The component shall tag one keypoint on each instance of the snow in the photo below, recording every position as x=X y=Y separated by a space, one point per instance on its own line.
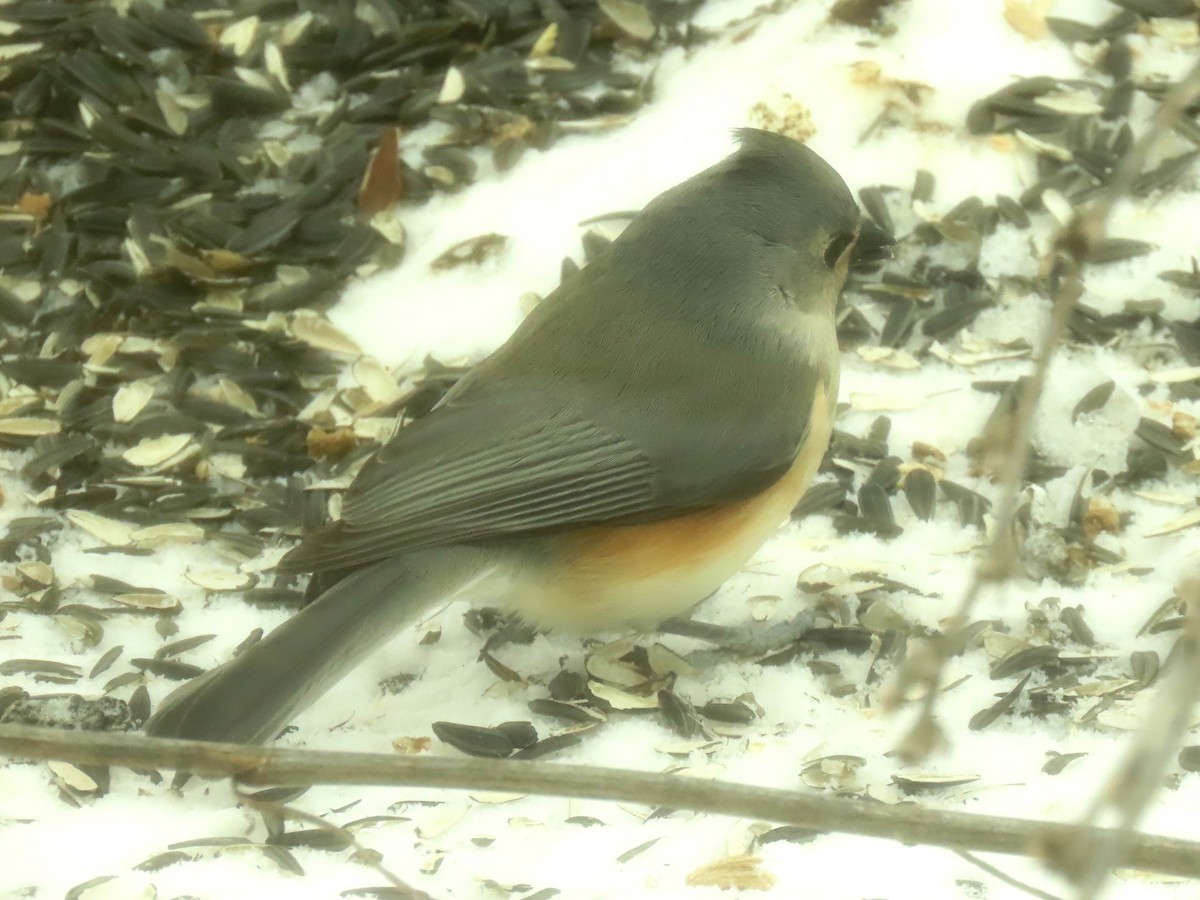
x=962 y=52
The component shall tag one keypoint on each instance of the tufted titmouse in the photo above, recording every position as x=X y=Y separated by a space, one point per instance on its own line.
x=633 y=443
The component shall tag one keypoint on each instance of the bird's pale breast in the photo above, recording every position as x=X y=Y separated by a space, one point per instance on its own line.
x=643 y=574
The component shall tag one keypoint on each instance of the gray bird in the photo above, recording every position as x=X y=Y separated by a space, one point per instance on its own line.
x=628 y=449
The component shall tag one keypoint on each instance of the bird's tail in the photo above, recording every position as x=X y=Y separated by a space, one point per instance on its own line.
x=253 y=696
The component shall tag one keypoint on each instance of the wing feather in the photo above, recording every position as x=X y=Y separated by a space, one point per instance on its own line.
x=476 y=472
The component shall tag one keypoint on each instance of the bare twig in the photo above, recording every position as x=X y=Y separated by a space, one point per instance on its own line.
x=1174 y=104
x=1087 y=860
x=273 y=765
x=1071 y=249
x=1001 y=875
x=1000 y=558
x=1139 y=776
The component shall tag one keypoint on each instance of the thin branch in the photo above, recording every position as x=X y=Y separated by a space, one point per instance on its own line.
x=1001 y=557
x=1071 y=249
x=283 y=766
x=1173 y=106
x=1001 y=875
x=1088 y=857
x=1139 y=776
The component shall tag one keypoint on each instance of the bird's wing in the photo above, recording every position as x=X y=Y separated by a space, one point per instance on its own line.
x=516 y=466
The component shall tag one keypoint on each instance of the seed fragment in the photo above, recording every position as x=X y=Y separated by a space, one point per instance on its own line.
x=473 y=251
x=318 y=332
x=632 y=18
x=475 y=740
x=742 y=873
x=924 y=782
x=73 y=777
x=615 y=698
x=986 y=717
x=29 y=426
x=157 y=451
x=1059 y=761
x=1093 y=400
x=1022 y=659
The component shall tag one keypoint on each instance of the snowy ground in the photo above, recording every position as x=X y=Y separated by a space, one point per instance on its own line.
x=459 y=847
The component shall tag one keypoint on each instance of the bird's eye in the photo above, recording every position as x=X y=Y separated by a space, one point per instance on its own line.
x=837 y=246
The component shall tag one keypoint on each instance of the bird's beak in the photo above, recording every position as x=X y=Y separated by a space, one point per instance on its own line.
x=874 y=246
